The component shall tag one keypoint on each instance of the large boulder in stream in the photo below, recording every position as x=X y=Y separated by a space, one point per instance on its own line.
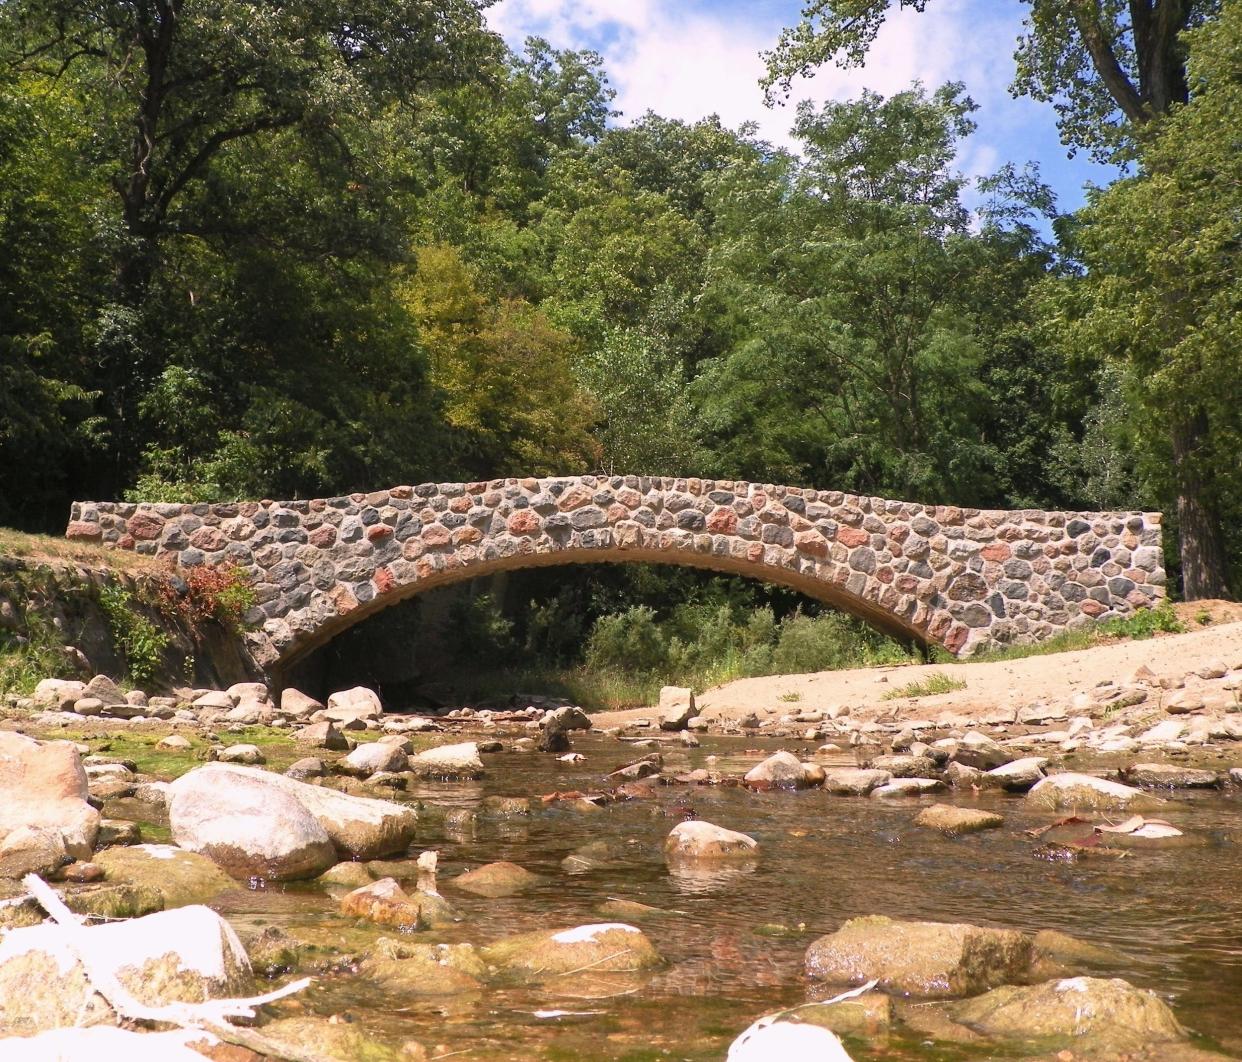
x=254 y=822
x=933 y=960
x=773 y=1038
x=495 y=880
x=187 y=955
x=451 y=762
x=1086 y=792
x=606 y=947
x=1091 y=1015
x=43 y=786
x=781 y=770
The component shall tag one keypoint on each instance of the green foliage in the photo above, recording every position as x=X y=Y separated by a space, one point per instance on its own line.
x=139 y=640
x=1143 y=623
x=32 y=652
x=928 y=687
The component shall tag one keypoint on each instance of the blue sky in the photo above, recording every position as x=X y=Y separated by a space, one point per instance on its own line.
x=691 y=58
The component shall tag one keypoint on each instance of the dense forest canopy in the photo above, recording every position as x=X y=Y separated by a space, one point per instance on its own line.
x=300 y=249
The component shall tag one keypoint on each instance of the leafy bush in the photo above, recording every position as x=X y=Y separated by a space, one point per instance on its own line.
x=476 y=629
x=627 y=641
x=1144 y=623
x=139 y=640
x=222 y=594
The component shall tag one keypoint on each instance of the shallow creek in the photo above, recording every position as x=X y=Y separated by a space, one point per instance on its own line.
x=1174 y=915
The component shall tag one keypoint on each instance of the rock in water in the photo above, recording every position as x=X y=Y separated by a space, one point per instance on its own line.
x=781 y=770
x=1089 y=1014
x=180 y=877
x=676 y=707
x=933 y=960
x=1171 y=776
x=369 y=758
x=697 y=840
x=607 y=947
x=460 y=761
x=44 y=785
x=247 y=825
x=32 y=850
x=359 y=827
x=187 y=955
x=496 y=879
x=953 y=820
x=774 y=1040
x=853 y=781
x=1086 y=792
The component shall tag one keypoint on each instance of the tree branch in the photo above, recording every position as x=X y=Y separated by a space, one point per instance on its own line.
x=1086 y=14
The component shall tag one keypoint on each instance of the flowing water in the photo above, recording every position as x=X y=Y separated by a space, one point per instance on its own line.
x=1173 y=915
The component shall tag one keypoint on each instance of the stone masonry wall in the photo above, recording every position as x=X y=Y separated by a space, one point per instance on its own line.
x=960 y=578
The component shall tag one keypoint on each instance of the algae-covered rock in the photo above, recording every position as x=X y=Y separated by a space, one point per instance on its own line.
x=114 y=900
x=864 y=1015
x=927 y=959
x=180 y=877
x=629 y=910
x=272 y=951
x=386 y=903
x=607 y=947
x=349 y=875
x=1086 y=1013
x=496 y=879
x=425 y=969
x=342 y=1041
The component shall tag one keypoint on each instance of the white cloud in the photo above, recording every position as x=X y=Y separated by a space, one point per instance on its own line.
x=687 y=61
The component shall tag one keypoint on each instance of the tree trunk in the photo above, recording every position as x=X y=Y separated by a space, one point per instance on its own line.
x=1205 y=570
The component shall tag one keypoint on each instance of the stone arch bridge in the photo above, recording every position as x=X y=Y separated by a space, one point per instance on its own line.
x=964 y=579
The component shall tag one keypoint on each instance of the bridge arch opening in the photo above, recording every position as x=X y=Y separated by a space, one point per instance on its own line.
x=469 y=639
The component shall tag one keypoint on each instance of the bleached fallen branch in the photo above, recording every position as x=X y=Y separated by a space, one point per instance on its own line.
x=211 y=1016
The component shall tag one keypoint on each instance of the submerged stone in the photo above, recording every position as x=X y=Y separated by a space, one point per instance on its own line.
x=953 y=821
x=496 y=879
x=179 y=876
x=606 y=947
x=927 y=959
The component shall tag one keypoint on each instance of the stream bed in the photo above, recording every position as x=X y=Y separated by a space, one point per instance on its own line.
x=734 y=939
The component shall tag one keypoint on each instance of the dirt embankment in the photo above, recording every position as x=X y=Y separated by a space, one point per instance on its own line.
x=1002 y=684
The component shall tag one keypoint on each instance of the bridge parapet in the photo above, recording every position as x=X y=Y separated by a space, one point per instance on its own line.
x=964 y=579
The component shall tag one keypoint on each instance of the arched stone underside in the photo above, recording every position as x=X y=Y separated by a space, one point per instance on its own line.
x=964 y=579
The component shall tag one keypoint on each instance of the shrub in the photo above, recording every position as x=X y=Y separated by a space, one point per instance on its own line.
x=140 y=641
x=627 y=641
x=222 y=594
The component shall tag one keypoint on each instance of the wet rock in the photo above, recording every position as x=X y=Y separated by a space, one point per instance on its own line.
x=629 y=910
x=595 y=855
x=354 y=705
x=246 y=824
x=453 y=762
x=788 y=1040
x=1170 y=776
x=607 y=947
x=906 y=787
x=1086 y=1013
x=272 y=951
x=349 y=875
x=180 y=877
x=854 y=781
x=1017 y=776
x=696 y=841
x=781 y=770
x=372 y=757
x=954 y=821
x=506 y=806
x=496 y=879
x=905 y=766
x=322 y=735
x=870 y=1014
x=410 y=968
x=676 y=707
x=114 y=900
x=43 y=785
x=928 y=959
x=387 y=903
x=187 y=955
x=118 y=831
x=645 y=768
x=1056 y=954
x=323 y=1038
x=1086 y=792
x=297 y=705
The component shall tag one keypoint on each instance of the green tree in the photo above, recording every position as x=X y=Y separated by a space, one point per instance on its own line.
x=1161 y=296
x=1111 y=69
